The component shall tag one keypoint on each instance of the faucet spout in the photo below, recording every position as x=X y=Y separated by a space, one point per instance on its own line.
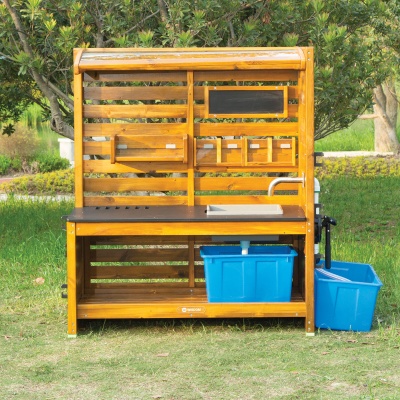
x=287 y=179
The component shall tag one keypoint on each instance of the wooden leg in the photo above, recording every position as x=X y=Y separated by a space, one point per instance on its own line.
x=191 y=262
x=309 y=281
x=71 y=279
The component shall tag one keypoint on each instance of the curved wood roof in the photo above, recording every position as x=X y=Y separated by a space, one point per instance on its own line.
x=228 y=58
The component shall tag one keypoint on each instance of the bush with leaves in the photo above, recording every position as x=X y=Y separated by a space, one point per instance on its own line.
x=361 y=167
x=5 y=164
x=23 y=143
x=57 y=182
x=51 y=162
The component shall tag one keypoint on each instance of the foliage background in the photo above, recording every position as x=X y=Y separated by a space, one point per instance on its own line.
x=39 y=35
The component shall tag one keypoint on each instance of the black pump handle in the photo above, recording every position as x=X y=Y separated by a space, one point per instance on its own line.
x=326 y=223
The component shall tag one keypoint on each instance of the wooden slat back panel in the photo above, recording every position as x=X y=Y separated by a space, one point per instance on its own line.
x=148 y=137
x=140 y=263
x=135 y=138
x=234 y=156
x=130 y=262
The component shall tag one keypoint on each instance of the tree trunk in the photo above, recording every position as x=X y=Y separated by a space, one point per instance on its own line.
x=163 y=10
x=57 y=120
x=385 y=108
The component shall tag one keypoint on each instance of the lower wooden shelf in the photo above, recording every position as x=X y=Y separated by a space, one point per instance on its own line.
x=180 y=305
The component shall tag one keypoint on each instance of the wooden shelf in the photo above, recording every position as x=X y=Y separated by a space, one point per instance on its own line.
x=172 y=304
x=139 y=148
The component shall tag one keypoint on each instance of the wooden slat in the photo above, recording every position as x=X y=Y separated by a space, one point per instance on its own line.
x=143 y=272
x=201 y=112
x=143 y=286
x=134 y=184
x=105 y=129
x=199 y=91
x=143 y=240
x=97 y=148
x=198 y=228
x=275 y=168
x=178 y=272
x=136 y=93
x=200 y=129
x=104 y=166
x=239 y=183
x=152 y=254
x=170 y=308
x=134 y=200
x=257 y=75
x=135 y=111
x=132 y=292
x=283 y=200
x=248 y=129
x=135 y=76
x=150 y=141
x=148 y=155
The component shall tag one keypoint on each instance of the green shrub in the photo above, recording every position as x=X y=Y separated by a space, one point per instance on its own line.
x=16 y=164
x=51 y=162
x=48 y=183
x=360 y=167
x=23 y=143
x=5 y=164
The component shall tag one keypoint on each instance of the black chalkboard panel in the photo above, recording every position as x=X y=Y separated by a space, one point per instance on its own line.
x=246 y=101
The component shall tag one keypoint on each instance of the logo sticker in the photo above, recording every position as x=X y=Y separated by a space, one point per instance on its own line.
x=192 y=310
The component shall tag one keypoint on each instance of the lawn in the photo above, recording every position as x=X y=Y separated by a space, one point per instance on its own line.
x=199 y=359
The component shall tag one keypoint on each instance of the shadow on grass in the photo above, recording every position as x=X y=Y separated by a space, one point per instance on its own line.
x=100 y=326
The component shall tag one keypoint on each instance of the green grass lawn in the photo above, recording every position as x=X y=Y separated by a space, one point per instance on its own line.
x=199 y=359
x=359 y=136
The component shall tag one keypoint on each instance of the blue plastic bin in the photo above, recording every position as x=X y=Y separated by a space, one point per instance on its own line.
x=346 y=301
x=263 y=275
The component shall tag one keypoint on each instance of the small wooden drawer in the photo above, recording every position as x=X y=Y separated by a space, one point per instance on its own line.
x=163 y=148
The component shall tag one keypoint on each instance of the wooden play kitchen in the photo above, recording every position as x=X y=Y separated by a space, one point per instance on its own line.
x=194 y=184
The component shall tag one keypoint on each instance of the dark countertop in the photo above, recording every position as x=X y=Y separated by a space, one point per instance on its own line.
x=173 y=214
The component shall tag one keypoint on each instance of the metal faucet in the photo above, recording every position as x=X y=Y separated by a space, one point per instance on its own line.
x=286 y=179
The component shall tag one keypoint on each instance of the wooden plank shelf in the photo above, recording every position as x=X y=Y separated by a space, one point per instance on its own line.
x=146 y=148
x=185 y=305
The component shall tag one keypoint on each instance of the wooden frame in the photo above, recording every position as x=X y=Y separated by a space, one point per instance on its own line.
x=149 y=158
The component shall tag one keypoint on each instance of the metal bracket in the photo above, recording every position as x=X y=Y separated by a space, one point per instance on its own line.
x=63 y=294
x=317 y=154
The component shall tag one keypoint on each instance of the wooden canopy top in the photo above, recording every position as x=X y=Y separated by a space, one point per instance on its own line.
x=228 y=58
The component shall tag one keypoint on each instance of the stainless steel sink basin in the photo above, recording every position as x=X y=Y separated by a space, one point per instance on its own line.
x=244 y=209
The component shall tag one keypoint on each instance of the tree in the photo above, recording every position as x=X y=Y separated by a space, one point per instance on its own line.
x=14 y=97
x=347 y=58
x=39 y=35
x=386 y=101
x=386 y=105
